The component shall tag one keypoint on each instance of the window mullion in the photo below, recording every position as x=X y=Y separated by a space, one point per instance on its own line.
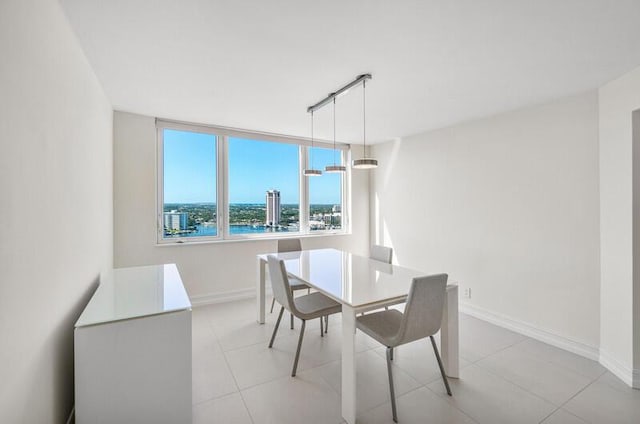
x=160 y=185
x=223 y=186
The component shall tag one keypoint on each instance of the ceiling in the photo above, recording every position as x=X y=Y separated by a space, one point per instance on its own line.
x=257 y=65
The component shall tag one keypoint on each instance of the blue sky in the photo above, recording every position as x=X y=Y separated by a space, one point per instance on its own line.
x=189 y=167
x=254 y=168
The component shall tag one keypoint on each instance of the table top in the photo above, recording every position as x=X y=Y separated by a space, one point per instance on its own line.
x=135 y=292
x=350 y=279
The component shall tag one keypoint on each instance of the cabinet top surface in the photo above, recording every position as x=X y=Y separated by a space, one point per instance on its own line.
x=127 y=293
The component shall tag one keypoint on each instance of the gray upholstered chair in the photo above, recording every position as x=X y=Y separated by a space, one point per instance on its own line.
x=290 y=245
x=306 y=307
x=381 y=253
x=421 y=318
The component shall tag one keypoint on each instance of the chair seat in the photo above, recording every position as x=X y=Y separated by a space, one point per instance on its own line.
x=296 y=284
x=316 y=305
x=383 y=326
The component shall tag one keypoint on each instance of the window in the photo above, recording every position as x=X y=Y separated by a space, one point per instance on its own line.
x=217 y=184
x=189 y=207
x=264 y=189
x=325 y=192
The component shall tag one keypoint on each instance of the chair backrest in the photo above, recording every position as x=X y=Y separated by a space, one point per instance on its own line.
x=289 y=245
x=280 y=282
x=423 y=311
x=382 y=253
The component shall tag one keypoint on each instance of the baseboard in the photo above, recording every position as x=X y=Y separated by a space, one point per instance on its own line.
x=228 y=296
x=628 y=375
x=562 y=342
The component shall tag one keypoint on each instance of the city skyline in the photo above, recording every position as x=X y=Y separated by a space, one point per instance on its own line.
x=198 y=220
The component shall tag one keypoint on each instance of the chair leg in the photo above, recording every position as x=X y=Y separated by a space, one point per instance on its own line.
x=321 y=327
x=292 y=294
x=393 y=395
x=444 y=376
x=275 y=330
x=295 y=362
x=273 y=302
x=391 y=355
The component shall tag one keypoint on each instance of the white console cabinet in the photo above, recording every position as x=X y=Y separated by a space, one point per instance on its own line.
x=133 y=349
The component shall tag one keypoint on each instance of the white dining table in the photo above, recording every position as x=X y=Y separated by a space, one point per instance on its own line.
x=360 y=284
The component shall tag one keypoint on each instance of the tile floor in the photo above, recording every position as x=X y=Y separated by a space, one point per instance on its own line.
x=505 y=377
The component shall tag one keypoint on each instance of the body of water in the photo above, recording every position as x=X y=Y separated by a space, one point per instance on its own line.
x=212 y=231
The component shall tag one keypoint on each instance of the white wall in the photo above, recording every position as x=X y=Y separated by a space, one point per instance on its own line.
x=56 y=211
x=207 y=269
x=620 y=192
x=508 y=206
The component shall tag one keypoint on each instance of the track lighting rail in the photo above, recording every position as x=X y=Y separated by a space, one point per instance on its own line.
x=337 y=93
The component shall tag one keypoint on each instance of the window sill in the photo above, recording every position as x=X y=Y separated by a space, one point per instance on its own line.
x=252 y=239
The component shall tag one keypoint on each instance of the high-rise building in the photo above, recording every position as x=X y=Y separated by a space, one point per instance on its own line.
x=273 y=208
x=175 y=220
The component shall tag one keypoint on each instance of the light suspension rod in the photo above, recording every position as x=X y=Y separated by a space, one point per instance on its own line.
x=332 y=96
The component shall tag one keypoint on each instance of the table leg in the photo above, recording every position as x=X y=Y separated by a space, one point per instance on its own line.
x=449 y=333
x=260 y=289
x=348 y=364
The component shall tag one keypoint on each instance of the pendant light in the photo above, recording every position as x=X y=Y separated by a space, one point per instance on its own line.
x=364 y=162
x=311 y=172
x=334 y=168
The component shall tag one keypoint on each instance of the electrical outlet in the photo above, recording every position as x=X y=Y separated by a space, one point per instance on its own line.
x=467 y=293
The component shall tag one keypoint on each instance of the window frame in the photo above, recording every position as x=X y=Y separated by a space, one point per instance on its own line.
x=222 y=135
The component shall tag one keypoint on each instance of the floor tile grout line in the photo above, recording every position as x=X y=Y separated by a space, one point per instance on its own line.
x=534 y=394
x=510 y=382
x=571 y=398
x=408 y=372
x=574 y=415
x=224 y=394
x=282 y=378
x=550 y=414
x=212 y=398
x=315 y=369
x=568 y=370
x=238 y=387
x=389 y=401
x=527 y=338
x=301 y=368
x=558 y=364
x=324 y=379
x=419 y=386
x=501 y=349
x=281 y=336
x=370 y=349
x=450 y=403
x=518 y=385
